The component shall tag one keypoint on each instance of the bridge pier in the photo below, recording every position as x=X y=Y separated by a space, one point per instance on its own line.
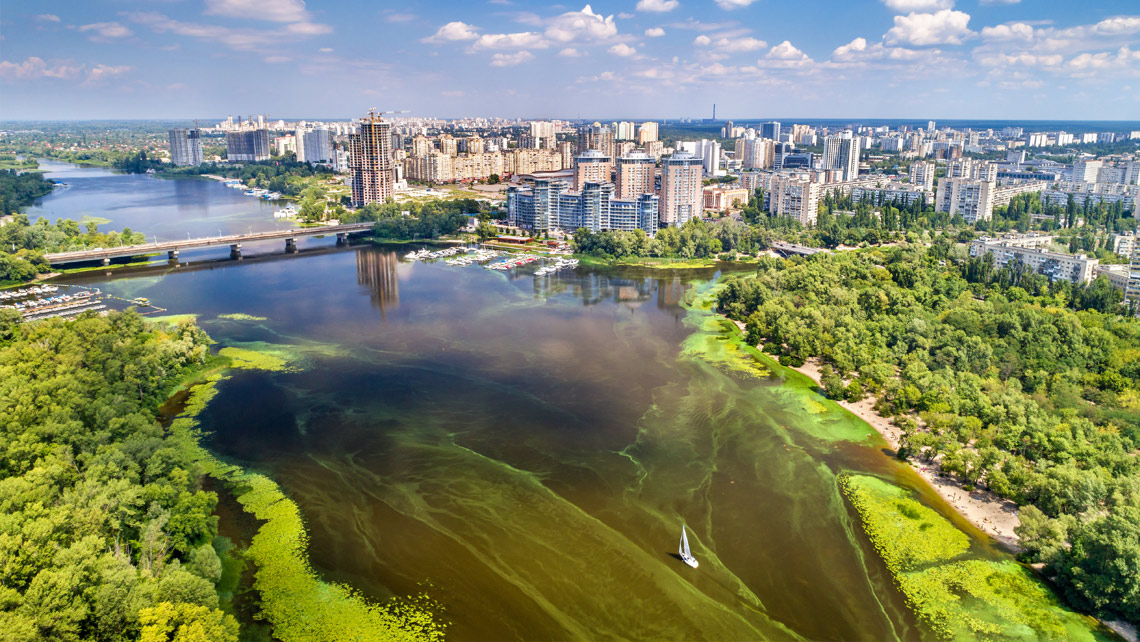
x=290 y=245
x=342 y=238
x=172 y=255
x=235 y=251
x=106 y=261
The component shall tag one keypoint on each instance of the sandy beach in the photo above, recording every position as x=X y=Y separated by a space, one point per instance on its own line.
x=993 y=515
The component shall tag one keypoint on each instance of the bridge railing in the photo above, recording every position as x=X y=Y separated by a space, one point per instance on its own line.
x=206 y=241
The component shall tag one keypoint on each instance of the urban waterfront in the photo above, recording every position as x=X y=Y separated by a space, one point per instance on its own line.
x=525 y=451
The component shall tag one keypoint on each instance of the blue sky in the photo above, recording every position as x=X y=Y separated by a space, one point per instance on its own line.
x=1032 y=59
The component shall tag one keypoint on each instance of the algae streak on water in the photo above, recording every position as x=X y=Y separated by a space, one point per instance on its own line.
x=300 y=606
x=961 y=596
x=718 y=341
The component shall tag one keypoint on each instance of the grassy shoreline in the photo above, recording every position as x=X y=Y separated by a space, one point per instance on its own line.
x=658 y=263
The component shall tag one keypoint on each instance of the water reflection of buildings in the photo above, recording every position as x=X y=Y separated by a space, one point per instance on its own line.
x=670 y=292
x=376 y=270
x=595 y=287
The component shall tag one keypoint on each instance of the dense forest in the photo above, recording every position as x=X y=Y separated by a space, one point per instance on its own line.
x=105 y=531
x=696 y=239
x=1009 y=382
x=19 y=190
x=418 y=220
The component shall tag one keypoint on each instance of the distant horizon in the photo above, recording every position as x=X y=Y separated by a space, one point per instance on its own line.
x=694 y=119
x=989 y=123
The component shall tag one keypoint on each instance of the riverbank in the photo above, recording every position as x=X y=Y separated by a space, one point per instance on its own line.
x=660 y=263
x=989 y=513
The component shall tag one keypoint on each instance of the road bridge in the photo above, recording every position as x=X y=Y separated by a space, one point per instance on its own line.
x=233 y=240
x=788 y=249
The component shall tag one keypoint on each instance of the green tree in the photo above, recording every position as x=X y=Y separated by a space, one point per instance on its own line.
x=170 y=622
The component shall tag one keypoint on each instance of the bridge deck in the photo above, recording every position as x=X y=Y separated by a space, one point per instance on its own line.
x=60 y=258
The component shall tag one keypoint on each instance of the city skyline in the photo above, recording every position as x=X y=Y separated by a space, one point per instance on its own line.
x=941 y=59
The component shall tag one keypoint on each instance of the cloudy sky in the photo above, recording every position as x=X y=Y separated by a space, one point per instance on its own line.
x=1032 y=59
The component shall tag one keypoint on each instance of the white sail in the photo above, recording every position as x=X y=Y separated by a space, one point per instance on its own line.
x=686 y=556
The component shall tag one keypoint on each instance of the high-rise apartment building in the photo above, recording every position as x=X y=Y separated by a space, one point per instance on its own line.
x=249 y=145
x=921 y=174
x=313 y=145
x=647 y=133
x=421 y=145
x=681 y=196
x=549 y=205
x=756 y=153
x=373 y=179
x=1085 y=171
x=635 y=175
x=626 y=131
x=596 y=136
x=592 y=166
x=796 y=197
x=542 y=131
x=841 y=153
x=448 y=145
x=972 y=199
x=709 y=153
x=185 y=147
x=1132 y=292
x=770 y=130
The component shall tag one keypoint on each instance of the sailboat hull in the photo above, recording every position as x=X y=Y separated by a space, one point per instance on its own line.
x=692 y=562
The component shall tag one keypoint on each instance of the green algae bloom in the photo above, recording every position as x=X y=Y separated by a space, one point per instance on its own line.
x=241 y=316
x=960 y=596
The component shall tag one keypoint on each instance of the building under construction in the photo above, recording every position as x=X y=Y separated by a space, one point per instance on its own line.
x=373 y=175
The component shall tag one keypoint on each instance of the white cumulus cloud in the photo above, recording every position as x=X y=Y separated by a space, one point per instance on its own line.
x=654 y=32
x=729 y=5
x=731 y=45
x=512 y=59
x=1013 y=31
x=623 y=50
x=107 y=30
x=911 y=6
x=584 y=25
x=659 y=6
x=946 y=27
x=35 y=67
x=521 y=40
x=453 y=31
x=785 y=51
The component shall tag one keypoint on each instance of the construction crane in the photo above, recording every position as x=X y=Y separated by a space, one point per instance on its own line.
x=373 y=113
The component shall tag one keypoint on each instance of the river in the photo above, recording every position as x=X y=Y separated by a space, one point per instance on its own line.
x=165 y=209
x=525 y=450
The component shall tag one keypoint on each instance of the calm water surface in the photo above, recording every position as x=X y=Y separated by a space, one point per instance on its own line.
x=166 y=208
x=526 y=451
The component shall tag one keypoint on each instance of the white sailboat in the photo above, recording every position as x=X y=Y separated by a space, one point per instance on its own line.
x=686 y=557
